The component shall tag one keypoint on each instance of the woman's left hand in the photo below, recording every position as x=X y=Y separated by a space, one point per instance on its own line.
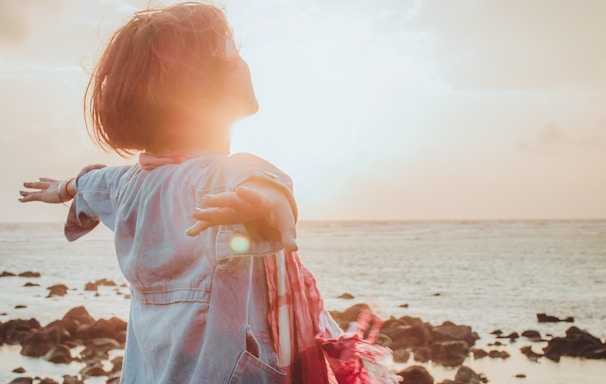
x=246 y=204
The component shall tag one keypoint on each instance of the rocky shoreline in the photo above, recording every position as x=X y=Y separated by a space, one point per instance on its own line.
x=447 y=344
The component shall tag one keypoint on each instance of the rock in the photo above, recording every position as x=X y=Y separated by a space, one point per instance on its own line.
x=466 y=375
x=13 y=331
x=384 y=340
x=29 y=274
x=450 y=353
x=18 y=370
x=346 y=295
x=520 y=376
x=401 y=355
x=59 y=354
x=478 y=353
x=576 y=343
x=7 y=274
x=114 y=378
x=98 y=349
x=57 y=290
x=43 y=340
x=543 y=318
x=113 y=328
x=30 y=284
x=405 y=305
x=48 y=380
x=495 y=354
x=422 y=354
x=416 y=374
x=90 y=286
x=67 y=379
x=106 y=282
x=513 y=336
x=529 y=353
x=497 y=332
x=406 y=335
x=93 y=369
x=454 y=332
x=22 y=380
x=116 y=365
x=533 y=335
x=20 y=306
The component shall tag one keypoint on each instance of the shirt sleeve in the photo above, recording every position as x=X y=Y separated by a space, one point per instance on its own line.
x=260 y=239
x=93 y=203
x=243 y=167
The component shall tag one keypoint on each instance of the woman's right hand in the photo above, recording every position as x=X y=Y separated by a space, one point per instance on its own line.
x=45 y=190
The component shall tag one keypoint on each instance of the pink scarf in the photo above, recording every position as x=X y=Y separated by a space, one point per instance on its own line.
x=310 y=346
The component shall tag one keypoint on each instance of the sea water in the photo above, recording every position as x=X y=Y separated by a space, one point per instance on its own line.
x=486 y=274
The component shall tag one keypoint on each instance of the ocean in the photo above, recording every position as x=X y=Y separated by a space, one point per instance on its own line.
x=486 y=274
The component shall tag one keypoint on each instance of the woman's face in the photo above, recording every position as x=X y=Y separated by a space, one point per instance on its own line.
x=240 y=92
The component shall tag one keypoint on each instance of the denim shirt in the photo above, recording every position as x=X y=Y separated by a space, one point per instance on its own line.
x=199 y=305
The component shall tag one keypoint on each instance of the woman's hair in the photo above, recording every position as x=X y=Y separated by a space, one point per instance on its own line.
x=159 y=58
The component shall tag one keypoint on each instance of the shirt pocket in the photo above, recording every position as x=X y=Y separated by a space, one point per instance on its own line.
x=250 y=369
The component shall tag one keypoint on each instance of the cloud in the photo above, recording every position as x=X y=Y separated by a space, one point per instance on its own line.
x=552 y=140
x=15 y=18
x=518 y=44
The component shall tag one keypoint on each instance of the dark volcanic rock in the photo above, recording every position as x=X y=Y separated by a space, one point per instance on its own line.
x=401 y=355
x=450 y=353
x=113 y=328
x=48 y=380
x=422 y=354
x=22 y=380
x=478 y=353
x=57 y=290
x=405 y=336
x=543 y=318
x=533 y=335
x=93 y=369
x=13 y=331
x=67 y=379
x=59 y=354
x=29 y=274
x=529 y=353
x=453 y=333
x=466 y=375
x=7 y=274
x=576 y=343
x=416 y=374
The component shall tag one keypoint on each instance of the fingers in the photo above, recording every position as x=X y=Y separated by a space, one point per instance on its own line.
x=27 y=196
x=215 y=216
x=210 y=217
x=223 y=199
x=196 y=228
x=250 y=195
x=36 y=184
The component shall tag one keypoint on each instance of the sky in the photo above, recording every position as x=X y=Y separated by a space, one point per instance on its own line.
x=378 y=110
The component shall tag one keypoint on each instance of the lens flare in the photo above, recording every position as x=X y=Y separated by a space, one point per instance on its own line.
x=239 y=243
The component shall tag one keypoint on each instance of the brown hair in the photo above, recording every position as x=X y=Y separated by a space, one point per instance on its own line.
x=160 y=57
